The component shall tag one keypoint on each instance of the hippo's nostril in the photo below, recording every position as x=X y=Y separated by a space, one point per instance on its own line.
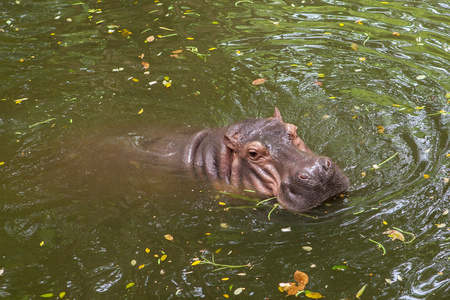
x=302 y=176
x=325 y=163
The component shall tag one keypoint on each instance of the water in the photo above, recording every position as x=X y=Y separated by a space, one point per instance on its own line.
x=95 y=213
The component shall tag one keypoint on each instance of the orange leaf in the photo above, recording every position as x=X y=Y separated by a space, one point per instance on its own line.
x=150 y=39
x=259 y=81
x=145 y=65
x=301 y=278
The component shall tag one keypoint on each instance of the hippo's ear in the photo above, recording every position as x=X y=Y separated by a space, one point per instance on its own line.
x=277 y=115
x=231 y=141
x=231 y=138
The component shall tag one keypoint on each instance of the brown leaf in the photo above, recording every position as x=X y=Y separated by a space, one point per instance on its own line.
x=394 y=234
x=380 y=129
x=150 y=39
x=177 y=51
x=174 y=55
x=301 y=278
x=259 y=81
x=293 y=290
x=318 y=83
x=145 y=65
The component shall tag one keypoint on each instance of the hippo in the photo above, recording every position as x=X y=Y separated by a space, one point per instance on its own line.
x=264 y=155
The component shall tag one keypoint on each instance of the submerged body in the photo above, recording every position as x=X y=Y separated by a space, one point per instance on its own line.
x=265 y=155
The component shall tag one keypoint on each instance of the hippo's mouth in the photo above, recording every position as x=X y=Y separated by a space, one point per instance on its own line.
x=298 y=198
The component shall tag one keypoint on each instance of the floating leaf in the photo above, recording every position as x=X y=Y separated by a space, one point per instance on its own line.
x=41 y=244
x=354 y=47
x=396 y=33
x=163 y=258
x=168 y=237
x=177 y=51
x=394 y=234
x=361 y=291
x=426 y=176
x=339 y=267
x=150 y=39
x=301 y=278
x=380 y=129
x=307 y=248
x=442 y=225
x=259 y=81
x=293 y=288
x=141 y=111
x=145 y=65
x=62 y=294
x=125 y=32
x=2 y=270
x=313 y=295
x=49 y=295
x=225 y=279
x=129 y=285
x=287 y=229
x=196 y=262
x=388 y=280
x=147 y=250
x=141 y=266
x=222 y=203
x=238 y=291
x=224 y=225
x=133 y=262
x=420 y=77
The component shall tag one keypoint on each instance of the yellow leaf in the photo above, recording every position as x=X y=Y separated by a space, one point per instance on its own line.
x=141 y=266
x=225 y=279
x=208 y=233
x=313 y=295
x=163 y=258
x=226 y=296
x=141 y=111
x=218 y=250
x=354 y=47
x=361 y=291
x=426 y=176
x=135 y=79
x=320 y=75
x=129 y=285
x=341 y=24
x=2 y=163
x=41 y=244
x=147 y=250
x=62 y=294
x=190 y=38
x=196 y=262
x=384 y=222
x=222 y=203
x=168 y=237
x=362 y=58
x=310 y=64
x=213 y=48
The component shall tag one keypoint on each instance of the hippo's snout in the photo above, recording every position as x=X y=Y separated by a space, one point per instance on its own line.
x=310 y=185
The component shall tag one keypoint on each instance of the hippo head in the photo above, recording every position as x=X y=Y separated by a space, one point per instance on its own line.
x=268 y=156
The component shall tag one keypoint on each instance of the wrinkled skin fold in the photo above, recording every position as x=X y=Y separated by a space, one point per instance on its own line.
x=264 y=155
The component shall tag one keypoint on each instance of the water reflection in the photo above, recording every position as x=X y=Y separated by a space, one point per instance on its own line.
x=96 y=213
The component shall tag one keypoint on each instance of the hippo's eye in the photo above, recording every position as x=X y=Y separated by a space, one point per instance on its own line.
x=253 y=154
